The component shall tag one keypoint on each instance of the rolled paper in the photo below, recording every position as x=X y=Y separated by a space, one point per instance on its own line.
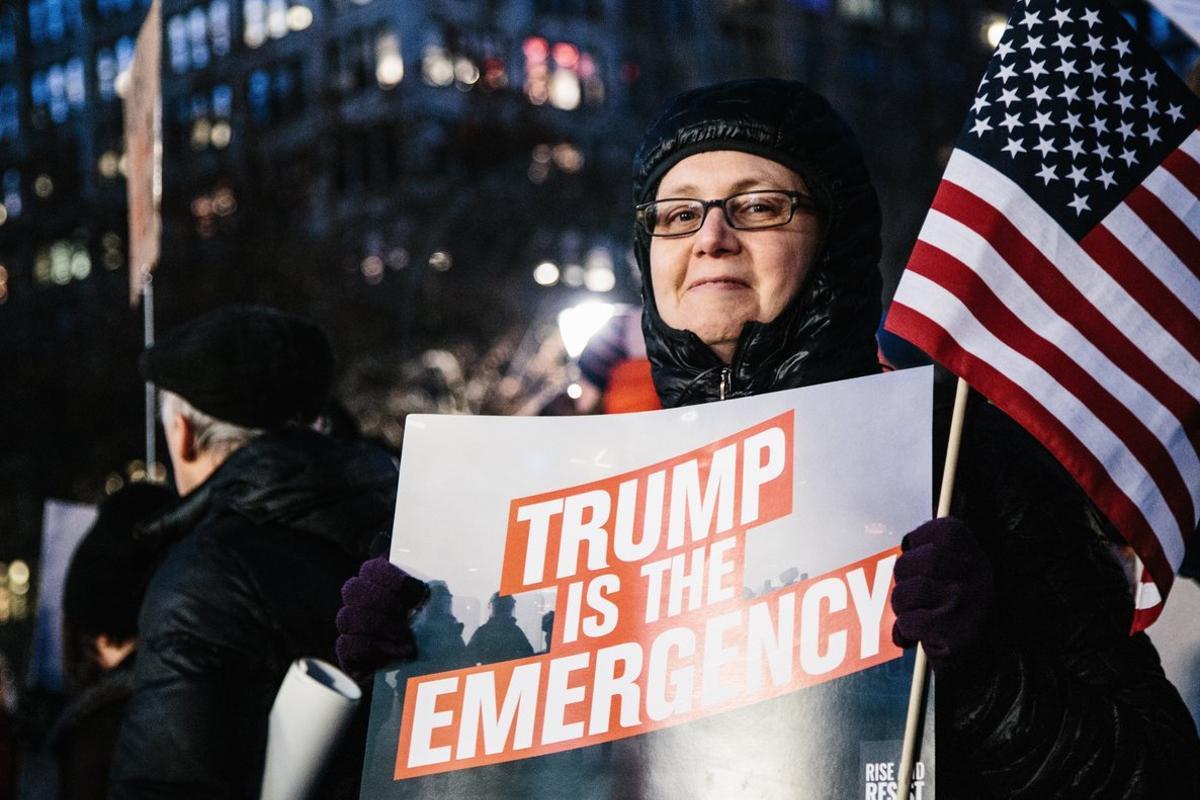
x=315 y=704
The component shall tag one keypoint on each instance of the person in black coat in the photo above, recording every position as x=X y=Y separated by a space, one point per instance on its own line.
x=758 y=240
x=274 y=518
x=105 y=583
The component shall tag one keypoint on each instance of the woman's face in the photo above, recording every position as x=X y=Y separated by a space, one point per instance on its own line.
x=716 y=280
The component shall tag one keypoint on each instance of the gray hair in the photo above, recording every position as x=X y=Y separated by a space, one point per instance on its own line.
x=212 y=435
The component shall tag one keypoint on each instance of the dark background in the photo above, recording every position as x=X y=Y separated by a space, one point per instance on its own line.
x=404 y=212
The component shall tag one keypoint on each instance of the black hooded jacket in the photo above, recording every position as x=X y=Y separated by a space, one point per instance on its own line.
x=251 y=583
x=1061 y=702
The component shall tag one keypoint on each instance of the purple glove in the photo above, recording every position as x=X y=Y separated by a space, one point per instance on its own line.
x=943 y=592
x=372 y=624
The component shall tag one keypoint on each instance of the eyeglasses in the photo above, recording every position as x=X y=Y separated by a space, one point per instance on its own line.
x=747 y=211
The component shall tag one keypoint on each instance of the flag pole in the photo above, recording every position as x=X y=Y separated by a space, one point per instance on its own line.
x=916 y=696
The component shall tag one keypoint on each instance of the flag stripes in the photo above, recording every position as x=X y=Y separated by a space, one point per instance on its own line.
x=1104 y=334
x=1129 y=228
x=929 y=335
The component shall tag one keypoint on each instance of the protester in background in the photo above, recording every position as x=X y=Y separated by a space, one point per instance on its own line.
x=614 y=369
x=759 y=240
x=499 y=638
x=105 y=584
x=274 y=517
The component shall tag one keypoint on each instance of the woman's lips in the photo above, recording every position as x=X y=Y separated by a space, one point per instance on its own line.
x=718 y=284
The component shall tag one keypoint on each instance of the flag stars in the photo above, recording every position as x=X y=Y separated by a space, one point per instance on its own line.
x=1103 y=152
x=1122 y=47
x=1079 y=204
x=1072 y=121
x=981 y=127
x=1061 y=16
x=1151 y=106
x=1091 y=17
x=1008 y=97
x=1005 y=72
x=1106 y=177
x=981 y=102
x=1124 y=74
x=1004 y=50
x=1063 y=43
x=1066 y=69
x=1125 y=101
x=1040 y=94
x=1078 y=174
x=1033 y=44
x=1175 y=112
x=1044 y=146
x=1047 y=174
x=1096 y=70
x=1125 y=129
x=1094 y=43
x=1149 y=78
x=1037 y=69
x=1075 y=147
x=1011 y=121
x=1069 y=93
x=1013 y=147
x=1152 y=135
x=1128 y=156
x=1098 y=125
x=1042 y=119
x=1031 y=19
x=1098 y=98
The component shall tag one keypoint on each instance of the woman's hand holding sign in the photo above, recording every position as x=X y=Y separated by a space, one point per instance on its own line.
x=372 y=625
x=943 y=591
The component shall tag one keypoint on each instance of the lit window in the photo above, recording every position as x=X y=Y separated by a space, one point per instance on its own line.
x=37 y=20
x=54 y=20
x=106 y=74
x=277 y=25
x=73 y=15
x=12 y=193
x=75 y=85
x=124 y=54
x=198 y=34
x=389 y=65
x=56 y=85
x=218 y=26
x=862 y=10
x=222 y=101
x=39 y=95
x=8 y=39
x=561 y=74
x=258 y=95
x=254 y=22
x=177 y=43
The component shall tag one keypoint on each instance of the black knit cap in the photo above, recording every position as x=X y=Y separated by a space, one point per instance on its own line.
x=249 y=365
x=111 y=567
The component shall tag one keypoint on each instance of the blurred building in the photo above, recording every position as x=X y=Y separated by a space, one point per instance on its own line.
x=403 y=171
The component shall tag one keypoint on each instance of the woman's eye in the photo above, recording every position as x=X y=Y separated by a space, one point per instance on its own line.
x=679 y=214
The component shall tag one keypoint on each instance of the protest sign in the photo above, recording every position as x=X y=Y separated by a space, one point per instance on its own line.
x=674 y=603
x=143 y=151
x=64 y=525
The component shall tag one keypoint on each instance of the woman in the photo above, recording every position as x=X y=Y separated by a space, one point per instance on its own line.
x=758 y=241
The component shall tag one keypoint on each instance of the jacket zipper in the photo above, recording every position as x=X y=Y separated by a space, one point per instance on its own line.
x=724 y=387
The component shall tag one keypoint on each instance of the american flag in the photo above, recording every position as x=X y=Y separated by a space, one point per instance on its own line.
x=1058 y=271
